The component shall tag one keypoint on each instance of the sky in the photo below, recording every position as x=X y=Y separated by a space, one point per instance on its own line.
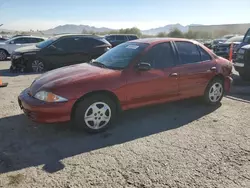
x=144 y=14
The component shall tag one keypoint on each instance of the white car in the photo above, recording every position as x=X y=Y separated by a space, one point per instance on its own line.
x=8 y=46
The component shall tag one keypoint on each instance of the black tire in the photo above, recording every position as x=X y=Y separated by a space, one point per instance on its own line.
x=208 y=98
x=29 y=67
x=3 y=55
x=80 y=110
x=245 y=76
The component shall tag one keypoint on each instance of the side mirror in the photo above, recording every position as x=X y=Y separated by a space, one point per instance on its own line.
x=143 y=66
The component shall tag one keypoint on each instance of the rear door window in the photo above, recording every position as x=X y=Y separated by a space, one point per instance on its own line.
x=66 y=44
x=110 y=38
x=85 y=44
x=188 y=52
x=21 y=41
x=131 y=37
x=35 y=40
x=121 y=38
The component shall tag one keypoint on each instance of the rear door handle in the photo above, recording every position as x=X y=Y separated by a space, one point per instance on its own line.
x=173 y=74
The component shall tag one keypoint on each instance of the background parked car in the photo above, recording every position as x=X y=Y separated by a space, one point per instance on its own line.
x=2 y=39
x=222 y=49
x=242 y=60
x=58 y=51
x=8 y=46
x=115 y=40
x=208 y=43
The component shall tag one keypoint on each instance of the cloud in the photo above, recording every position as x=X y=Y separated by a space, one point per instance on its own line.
x=44 y=24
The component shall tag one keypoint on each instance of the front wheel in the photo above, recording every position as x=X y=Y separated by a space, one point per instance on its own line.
x=94 y=114
x=214 y=92
x=3 y=55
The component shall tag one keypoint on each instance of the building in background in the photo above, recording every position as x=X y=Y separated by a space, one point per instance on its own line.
x=216 y=31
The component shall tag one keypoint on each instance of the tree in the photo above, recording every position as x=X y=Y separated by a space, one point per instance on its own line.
x=133 y=30
x=162 y=34
x=176 y=33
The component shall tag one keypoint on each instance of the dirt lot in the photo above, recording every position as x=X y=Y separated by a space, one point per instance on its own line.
x=182 y=144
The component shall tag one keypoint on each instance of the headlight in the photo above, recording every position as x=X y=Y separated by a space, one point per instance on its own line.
x=49 y=97
x=16 y=56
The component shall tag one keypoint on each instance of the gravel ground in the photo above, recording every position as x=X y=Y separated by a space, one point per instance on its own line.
x=181 y=144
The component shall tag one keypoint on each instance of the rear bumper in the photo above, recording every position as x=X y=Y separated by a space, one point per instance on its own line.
x=227 y=84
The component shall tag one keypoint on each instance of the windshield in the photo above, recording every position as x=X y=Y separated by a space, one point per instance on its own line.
x=236 y=39
x=45 y=43
x=247 y=36
x=120 y=56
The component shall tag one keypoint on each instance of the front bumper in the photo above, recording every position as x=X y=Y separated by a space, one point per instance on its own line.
x=17 y=64
x=44 y=112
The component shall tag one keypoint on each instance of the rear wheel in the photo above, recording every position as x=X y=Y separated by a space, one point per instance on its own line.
x=94 y=114
x=214 y=91
x=3 y=55
x=36 y=65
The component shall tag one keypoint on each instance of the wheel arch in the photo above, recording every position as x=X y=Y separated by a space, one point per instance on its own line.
x=217 y=76
x=107 y=93
x=5 y=51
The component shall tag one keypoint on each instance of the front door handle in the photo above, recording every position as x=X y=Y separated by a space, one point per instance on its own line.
x=173 y=74
x=213 y=68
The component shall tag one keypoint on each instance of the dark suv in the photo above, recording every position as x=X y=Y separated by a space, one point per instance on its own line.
x=242 y=60
x=117 y=39
x=58 y=51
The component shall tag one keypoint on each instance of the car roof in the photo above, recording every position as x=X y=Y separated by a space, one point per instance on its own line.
x=160 y=40
x=120 y=35
x=27 y=36
x=77 y=35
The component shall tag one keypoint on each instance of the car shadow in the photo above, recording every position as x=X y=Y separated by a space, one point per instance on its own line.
x=26 y=144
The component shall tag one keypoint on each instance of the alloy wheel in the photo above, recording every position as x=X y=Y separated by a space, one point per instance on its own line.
x=97 y=115
x=37 y=66
x=215 y=92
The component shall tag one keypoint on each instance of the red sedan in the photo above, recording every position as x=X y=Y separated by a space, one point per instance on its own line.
x=133 y=74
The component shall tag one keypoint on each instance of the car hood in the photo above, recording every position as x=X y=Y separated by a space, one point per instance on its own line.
x=31 y=48
x=226 y=44
x=67 y=76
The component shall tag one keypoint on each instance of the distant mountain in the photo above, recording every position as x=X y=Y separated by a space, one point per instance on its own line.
x=166 y=29
x=70 y=28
